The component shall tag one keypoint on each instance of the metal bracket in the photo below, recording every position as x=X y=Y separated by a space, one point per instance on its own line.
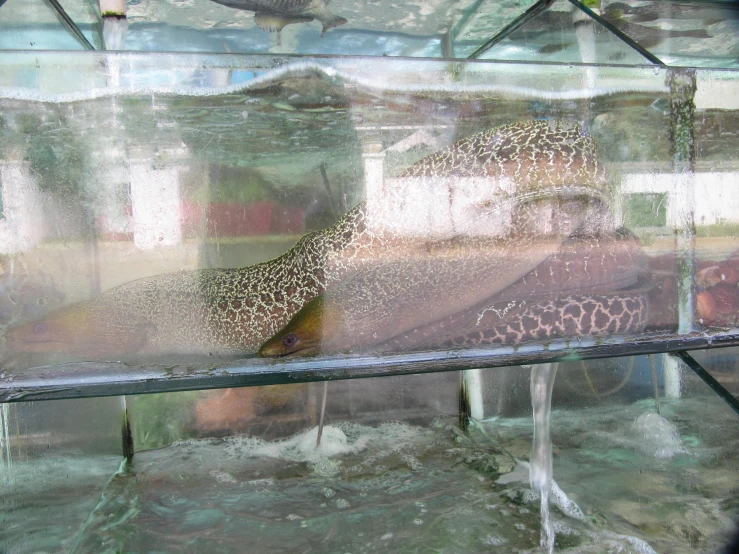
x=69 y=24
x=708 y=379
x=514 y=25
x=615 y=31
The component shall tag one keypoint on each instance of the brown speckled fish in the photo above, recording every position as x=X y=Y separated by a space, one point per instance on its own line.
x=391 y=298
x=542 y=158
x=451 y=299
x=594 y=286
x=220 y=311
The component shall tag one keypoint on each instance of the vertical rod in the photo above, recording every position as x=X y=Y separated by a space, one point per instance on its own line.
x=113 y=8
x=682 y=85
x=470 y=397
x=5 y=452
x=447 y=46
x=540 y=476
x=323 y=411
x=126 y=432
x=672 y=371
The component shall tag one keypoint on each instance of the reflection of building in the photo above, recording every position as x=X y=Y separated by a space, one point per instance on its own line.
x=648 y=199
x=22 y=223
x=156 y=202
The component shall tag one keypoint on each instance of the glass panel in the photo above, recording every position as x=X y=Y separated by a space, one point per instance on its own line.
x=279 y=411
x=379 y=28
x=35 y=25
x=143 y=199
x=55 y=460
x=701 y=34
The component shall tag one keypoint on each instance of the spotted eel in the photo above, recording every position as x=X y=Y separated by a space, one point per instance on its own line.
x=233 y=311
x=375 y=309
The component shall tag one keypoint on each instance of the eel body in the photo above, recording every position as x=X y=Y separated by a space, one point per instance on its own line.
x=233 y=311
x=208 y=311
x=367 y=311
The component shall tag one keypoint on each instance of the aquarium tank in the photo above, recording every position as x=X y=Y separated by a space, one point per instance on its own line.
x=369 y=276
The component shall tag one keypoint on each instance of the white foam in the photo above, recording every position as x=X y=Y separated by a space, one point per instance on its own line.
x=657 y=437
x=614 y=541
x=337 y=440
x=564 y=503
x=344 y=75
x=520 y=474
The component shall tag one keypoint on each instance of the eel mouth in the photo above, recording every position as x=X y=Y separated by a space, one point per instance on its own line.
x=276 y=349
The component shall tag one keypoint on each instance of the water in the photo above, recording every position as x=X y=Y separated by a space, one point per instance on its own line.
x=542 y=382
x=5 y=456
x=397 y=487
x=114 y=32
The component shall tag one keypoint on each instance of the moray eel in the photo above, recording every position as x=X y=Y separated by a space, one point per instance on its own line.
x=233 y=311
x=386 y=300
x=274 y=15
x=594 y=286
x=372 y=309
x=209 y=311
x=478 y=185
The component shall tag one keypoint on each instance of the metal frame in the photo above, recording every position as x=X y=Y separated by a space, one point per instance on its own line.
x=617 y=32
x=514 y=25
x=89 y=379
x=717 y=387
x=70 y=25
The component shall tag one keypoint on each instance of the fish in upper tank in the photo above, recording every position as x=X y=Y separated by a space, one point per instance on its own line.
x=667 y=11
x=594 y=285
x=233 y=311
x=275 y=15
x=650 y=37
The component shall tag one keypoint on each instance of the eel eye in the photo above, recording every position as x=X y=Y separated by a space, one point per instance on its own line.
x=290 y=340
x=40 y=328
